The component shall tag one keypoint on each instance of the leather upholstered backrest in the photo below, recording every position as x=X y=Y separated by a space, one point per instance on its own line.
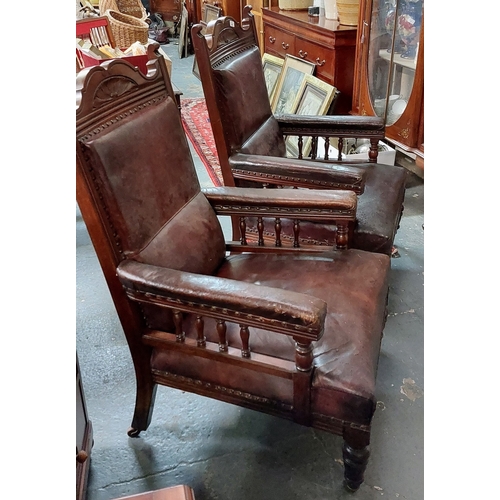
x=145 y=174
x=243 y=102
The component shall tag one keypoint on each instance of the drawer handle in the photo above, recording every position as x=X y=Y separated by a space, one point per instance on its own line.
x=320 y=63
x=285 y=45
x=272 y=39
x=303 y=54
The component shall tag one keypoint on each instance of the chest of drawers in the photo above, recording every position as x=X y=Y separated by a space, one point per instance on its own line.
x=228 y=8
x=330 y=46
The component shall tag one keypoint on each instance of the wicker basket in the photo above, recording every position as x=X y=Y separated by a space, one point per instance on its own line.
x=294 y=4
x=127 y=29
x=130 y=7
x=348 y=12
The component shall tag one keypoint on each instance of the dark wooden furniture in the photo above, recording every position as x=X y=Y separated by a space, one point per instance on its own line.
x=170 y=10
x=324 y=42
x=382 y=72
x=251 y=141
x=228 y=8
x=83 y=438
x=294 y=332
x=180 y=492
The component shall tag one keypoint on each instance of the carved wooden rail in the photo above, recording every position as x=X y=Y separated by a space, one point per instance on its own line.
x=303 y=349
x=342 y=237
x=298 y=371
x=277 y=232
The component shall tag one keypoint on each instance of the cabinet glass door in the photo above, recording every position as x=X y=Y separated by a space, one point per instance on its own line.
x=392 y=55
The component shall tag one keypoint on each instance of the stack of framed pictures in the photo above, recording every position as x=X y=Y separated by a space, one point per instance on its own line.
x=292 y=89
x=314 y=98
x=209 y=14
x=272 y=67
x=184 y=33
x=292 y=75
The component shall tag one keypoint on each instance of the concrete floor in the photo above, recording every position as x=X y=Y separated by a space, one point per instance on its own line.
x=228 y=453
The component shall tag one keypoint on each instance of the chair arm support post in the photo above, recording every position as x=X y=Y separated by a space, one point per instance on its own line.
x=302 y=382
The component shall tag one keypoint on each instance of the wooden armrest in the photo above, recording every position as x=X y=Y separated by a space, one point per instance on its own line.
x=281 y=311
x=299 y=173
x=306 y=204
x=336 y=125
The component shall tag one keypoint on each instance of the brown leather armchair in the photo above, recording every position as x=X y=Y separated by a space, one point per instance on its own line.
x=294 y=332
x=251 y=141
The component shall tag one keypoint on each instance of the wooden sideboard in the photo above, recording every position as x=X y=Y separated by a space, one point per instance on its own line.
x=228 y=8
x=169 y=9
x=326 y=43
x=181 y=492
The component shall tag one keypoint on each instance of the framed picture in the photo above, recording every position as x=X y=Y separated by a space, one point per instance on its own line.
x=210 y=13
x=288 y=85
x=184 y=33
x=195 y=70
x=272 y=67
x=314 y=98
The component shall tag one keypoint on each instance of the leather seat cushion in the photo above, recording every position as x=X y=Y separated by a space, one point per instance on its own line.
x=345 y=358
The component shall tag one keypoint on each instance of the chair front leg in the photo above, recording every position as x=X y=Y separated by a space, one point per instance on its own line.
x=355 y=453
x=144 y=404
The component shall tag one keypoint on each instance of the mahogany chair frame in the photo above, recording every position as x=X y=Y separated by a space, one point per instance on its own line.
x=115 y=91
x=225 y=39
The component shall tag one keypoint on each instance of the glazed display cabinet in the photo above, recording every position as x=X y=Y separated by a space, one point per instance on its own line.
x=389 y=70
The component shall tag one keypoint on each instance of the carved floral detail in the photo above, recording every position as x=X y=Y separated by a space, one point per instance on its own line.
x=113 y=87
x=404 y=133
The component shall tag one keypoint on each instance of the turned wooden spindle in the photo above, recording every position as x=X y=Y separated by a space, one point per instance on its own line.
x=327 y=147
x=373 y=153
x=221 y=330
x=179 y=334
x=340 y=147
x=296 y=232
x=300 y=143
x=260 y=228
x=314 y=148
x=304 y=356
x=243 y=231
x=342 y=238
x=201 y=341
x=245 y=337
x=302 y=382
x=277 y=230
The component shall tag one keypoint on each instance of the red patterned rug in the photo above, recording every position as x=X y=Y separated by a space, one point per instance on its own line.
x=199 y=131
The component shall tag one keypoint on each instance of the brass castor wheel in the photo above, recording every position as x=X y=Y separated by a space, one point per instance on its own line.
x=133 y=433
